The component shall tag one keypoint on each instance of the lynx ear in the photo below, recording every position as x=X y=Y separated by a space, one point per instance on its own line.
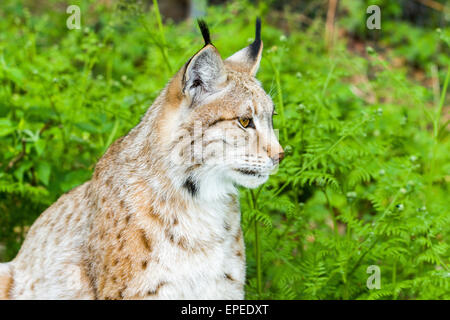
x=204 y=72
x=248 y=59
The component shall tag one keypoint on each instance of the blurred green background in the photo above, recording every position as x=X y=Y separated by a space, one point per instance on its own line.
x=363 y=117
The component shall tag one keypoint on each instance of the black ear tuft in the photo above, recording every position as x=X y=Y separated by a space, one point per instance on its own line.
x=205 y=31
x=258 y=29
x=256 y=45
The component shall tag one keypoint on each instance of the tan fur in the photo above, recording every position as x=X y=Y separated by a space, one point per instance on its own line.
x=149 y=226
x=6 y=281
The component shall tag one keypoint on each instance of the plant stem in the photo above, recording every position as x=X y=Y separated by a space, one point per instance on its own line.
x=161 y=35
x=258 y=259
x=441 y=104
x=348 y=230
x=280 y=100
x=257 y=247
x=333 y=216
x=436 y=121
x=394 y=279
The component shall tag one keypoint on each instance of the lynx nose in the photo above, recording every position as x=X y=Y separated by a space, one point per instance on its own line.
x=278 y=157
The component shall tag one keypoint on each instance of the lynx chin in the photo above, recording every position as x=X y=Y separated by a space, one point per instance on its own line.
x=160 y=218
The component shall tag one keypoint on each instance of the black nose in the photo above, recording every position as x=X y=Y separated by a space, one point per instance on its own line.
x=277 y=158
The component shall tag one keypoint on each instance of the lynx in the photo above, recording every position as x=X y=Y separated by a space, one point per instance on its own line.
x=160 y=218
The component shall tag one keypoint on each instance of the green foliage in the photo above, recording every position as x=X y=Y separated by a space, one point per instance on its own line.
x=365 y=179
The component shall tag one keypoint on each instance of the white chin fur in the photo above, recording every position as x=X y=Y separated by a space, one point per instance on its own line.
x=248 y=181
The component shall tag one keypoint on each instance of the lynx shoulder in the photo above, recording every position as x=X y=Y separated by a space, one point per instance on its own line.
x=160 y=218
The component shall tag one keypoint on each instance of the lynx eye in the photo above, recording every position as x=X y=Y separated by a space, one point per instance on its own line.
x=246 y=122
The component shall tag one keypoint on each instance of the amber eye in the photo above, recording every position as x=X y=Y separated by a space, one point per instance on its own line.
x=246 y=122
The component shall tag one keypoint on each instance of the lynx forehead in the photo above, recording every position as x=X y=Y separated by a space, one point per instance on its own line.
x=160 y=218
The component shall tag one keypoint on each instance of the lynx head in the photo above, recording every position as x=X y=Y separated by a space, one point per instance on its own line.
x=219 y=120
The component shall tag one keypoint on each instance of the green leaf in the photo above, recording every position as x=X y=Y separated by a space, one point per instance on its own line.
x=20 y=171
x=6 y=127
x=40 y=146
x=43 y=172
x=88 y=127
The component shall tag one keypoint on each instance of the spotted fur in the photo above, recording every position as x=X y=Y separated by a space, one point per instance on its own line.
x=160 y=218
